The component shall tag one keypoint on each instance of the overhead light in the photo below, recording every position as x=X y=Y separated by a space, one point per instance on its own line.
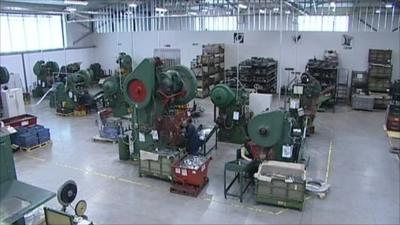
x=192 y=13
x=378 y=11
x=161 y=10
x=13 y=8
x=287 y=12
x=262 y=11
x=275 y=10
x=241 y=6
x=388 y=5
x=75 y=2
x=70 y=9
x=132 y=5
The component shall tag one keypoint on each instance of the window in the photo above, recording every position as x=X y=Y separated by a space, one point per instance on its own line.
x=30 y=32
x=212 y=23
x=324 y=23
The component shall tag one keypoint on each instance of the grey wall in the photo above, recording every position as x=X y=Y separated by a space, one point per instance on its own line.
x=263 y=44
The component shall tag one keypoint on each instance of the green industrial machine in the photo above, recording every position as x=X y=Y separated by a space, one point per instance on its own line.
x=16 y=198
x=4 y=78
x=98 y=72
x=303 y=102
x=233 y=112
x=275 y=133
x=46 y=73
x=74 y=92
x=4 y=75
x=153 y=91
x=112 y=87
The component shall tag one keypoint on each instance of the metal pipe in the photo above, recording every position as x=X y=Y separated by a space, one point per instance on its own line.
x=24 y=71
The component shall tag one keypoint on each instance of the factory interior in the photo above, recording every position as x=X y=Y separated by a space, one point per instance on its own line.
x=199 y=112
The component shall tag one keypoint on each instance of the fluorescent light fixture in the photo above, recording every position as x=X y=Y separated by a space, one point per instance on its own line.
x=275 y=10
x=161 y=10
x=70 y=9
x=262 y=11
x=378 y=11
x=132 y=5
x=241 y=6
x=287 y=12
x=75 y=2
x=388 y=5
x=14 y=8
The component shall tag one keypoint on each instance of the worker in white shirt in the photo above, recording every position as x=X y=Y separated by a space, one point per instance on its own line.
x=244 y=151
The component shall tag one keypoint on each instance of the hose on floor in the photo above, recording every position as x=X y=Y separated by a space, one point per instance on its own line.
x=317 y=186
x=44 y=96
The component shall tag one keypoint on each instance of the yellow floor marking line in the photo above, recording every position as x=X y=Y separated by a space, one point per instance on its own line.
x=209 y=199
x=328 y=166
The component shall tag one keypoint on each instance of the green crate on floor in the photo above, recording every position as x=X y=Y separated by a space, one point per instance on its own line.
x=279 y=193
x=160 y=168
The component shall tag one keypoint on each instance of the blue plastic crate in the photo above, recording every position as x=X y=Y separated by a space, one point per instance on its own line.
x=45 y=132
x=26 y=140
x=110 y=132
x=44 y=139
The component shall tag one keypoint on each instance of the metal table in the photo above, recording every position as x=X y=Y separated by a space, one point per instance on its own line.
x=18 y=198
x=243 y=171
x=207 y=138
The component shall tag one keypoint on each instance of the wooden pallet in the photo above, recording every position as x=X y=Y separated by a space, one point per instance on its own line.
x=394 y=140
x=79 y=113
x=97 y=138
x=33 y=148
x=187 y=189
x=65 y=114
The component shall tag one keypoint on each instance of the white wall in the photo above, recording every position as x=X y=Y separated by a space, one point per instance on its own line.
x=264 y=44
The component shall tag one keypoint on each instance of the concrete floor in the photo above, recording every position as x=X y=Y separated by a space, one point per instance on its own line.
x=364 y=176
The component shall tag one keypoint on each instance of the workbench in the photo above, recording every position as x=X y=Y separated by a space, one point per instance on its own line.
x=16 y=198
x=209 y=132
x=243 y=170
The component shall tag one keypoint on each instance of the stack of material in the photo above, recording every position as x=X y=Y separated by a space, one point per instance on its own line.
x=30 y=136
x=326 y=72
x=281 y=184
x=209 y=68
x=379 y=76
x=257 y=72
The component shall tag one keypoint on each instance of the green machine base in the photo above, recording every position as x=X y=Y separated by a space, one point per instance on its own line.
x=236 y=135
